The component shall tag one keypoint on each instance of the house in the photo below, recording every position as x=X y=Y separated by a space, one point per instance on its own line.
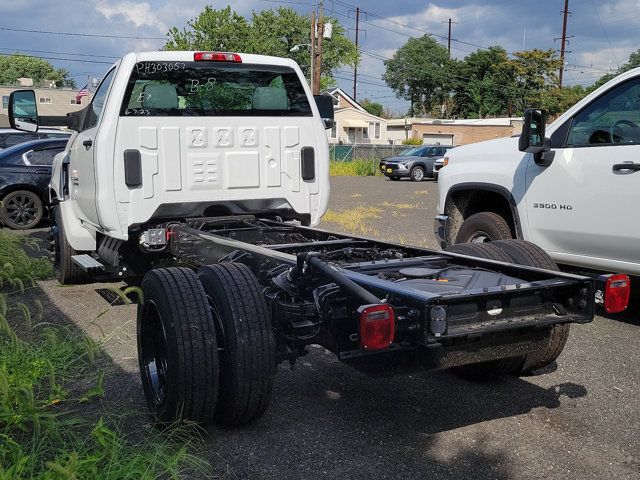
x=452 y=132
x=353 y=124
x=51 y=101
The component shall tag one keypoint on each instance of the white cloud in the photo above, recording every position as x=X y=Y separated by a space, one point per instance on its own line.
x=140 y=14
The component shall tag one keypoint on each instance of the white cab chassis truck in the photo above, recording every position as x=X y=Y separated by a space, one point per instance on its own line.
x=200 y=174
x=572 y=188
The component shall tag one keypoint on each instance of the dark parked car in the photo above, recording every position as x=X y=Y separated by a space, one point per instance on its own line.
x=25 y=171
x=10 y=137
x=416 y=163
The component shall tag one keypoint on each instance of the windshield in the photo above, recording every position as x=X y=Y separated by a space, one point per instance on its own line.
x=183 y=89
x=411 y=151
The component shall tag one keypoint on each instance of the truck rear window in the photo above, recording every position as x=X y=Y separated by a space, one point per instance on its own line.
x=185 y=89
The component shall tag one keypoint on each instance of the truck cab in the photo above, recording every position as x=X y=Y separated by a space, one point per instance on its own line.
x=575 y=194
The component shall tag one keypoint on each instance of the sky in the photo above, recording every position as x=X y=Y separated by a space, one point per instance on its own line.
x=89 y=33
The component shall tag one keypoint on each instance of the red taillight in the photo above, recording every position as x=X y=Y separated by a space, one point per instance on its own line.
x=616 y=293
x=377 y=326
x=216 y=57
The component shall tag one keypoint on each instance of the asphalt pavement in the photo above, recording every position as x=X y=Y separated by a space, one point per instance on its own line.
x=578 y=420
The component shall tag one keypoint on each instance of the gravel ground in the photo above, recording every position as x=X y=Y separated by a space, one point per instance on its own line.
x=580 y=420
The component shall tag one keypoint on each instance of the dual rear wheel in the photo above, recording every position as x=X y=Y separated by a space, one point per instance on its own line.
x=205 y=345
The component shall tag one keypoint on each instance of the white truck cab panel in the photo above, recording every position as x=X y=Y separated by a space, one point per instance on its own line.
x=154 y=112
x=582 y=208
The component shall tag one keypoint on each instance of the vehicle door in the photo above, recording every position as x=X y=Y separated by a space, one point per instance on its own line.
x=13 y=170
x=82 y=188
x=39 y=162
x=586 y=202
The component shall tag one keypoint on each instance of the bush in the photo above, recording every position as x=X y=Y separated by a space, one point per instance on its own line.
x=412 y=141
x=353 y=168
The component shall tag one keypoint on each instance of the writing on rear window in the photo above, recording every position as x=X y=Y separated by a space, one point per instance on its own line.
x=191 y=89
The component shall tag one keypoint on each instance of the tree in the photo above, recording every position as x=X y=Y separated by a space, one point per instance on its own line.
x=417 y=73
x=270 y=32
x=373 y=108
x=17 y=66
x=633 y=62
x=557 y=100
x=535 y=71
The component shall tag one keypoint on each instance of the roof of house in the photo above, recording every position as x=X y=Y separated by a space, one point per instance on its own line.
x=342 y=93
x=504 y=121
x=353 y=112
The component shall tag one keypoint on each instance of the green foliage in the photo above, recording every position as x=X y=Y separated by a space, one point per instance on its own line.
x=353 y=168
x=18 y=268
x=417 y=72
x=17 y=66
x=373 y=108
x=42 y=437
x=633 y=62
x=269 y=32
x=557 y=100
x=412 y=141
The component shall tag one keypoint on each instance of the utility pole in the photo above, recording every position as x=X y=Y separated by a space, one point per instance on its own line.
x=318 y=66
x=355 y=69
x=450 y=22
x=564 y=40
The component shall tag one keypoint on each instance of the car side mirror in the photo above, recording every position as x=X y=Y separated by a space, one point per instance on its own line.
x=532 y=139
x=23 y=111
x=325 y=108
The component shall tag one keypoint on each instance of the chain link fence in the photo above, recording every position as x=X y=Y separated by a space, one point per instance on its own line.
x=373 y=153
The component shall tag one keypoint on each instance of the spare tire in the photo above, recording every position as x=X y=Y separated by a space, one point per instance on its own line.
x=526 y=253
x=480 y=372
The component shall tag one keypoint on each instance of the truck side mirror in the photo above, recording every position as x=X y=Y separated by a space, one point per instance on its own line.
x=325 y=108
x=532 y=136
x=23 y=111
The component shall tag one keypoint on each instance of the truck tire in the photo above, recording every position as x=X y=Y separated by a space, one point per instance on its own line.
x=485 y=371
x=527 y=253
x=21 y=210
x=67 y=272
x=246 y=340
x=177 y=347
x=483 y=227
x=417 y=173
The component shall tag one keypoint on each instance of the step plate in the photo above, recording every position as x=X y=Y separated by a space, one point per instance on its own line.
x=87 y=262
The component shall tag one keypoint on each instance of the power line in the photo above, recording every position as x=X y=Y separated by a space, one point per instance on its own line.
x=605 y=33
x=56 y=58
x=74 y=34
x=59 y=53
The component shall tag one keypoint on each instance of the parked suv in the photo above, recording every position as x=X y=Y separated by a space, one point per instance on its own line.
x=415 y=164
x=10 y=137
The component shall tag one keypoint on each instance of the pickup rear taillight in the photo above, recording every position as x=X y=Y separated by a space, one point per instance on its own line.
x=377 y=326
x=617 y=290
x=217 y=57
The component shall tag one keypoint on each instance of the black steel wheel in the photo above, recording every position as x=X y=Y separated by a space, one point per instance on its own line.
x=21 y=210
x=66 y=271
x=246 y=340
x=177 y=347
x=417 y=173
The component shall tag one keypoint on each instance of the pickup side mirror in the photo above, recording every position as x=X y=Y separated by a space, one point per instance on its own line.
x=532 y=139
x=325 y=108
x=23 y=111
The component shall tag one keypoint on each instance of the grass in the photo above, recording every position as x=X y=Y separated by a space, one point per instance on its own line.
x=353 y=168
x=16 y=267
x=355 y=220
x=51 y=424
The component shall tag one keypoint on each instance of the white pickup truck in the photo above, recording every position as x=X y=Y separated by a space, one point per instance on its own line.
x=200 y=173
x=574 y=193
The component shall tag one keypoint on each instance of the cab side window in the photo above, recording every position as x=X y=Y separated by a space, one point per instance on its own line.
x=612 y=119
x=99 y=99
